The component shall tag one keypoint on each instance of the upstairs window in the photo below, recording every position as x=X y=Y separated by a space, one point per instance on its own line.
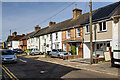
x=50 y=36
x=87 y=29
x=102 y=26
x=68 y=34
x=56 y=35
x=78 y=32
x=43 y=37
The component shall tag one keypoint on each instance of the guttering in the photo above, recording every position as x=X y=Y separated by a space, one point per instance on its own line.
x=115 y=16
x=94 y=22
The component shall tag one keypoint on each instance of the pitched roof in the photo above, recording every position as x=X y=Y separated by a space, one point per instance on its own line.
x=9 y=38
x=25 y=37
x=104 y=12
x=117 y=12
x=41 y=31
x=14 y=38
x=64 y=24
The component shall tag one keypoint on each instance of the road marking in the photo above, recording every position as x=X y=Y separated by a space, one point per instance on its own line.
x=81 y=68
x=7 y=73
x=10 y=72
x=23 y=60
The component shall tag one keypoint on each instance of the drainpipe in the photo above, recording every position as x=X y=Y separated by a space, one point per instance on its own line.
x=82 y=39
x=39 y=43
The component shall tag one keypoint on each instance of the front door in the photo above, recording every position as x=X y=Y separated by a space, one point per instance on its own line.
x=80 y=50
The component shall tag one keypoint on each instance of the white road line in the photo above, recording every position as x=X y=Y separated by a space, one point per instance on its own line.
x=23 y=60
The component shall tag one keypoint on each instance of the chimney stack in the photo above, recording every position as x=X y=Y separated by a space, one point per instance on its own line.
x=51 y=23
x=14 y=33
x=76 y=13
x=37 y=28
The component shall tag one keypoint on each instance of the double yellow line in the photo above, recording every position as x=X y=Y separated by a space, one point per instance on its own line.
x=10 y=74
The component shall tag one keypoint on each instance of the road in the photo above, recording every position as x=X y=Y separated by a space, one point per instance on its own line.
x=30 y=68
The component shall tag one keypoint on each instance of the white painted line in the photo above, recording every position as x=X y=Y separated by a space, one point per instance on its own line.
x=23 y=60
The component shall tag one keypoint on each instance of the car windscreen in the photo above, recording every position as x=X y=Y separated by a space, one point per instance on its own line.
x=54 y=50
x=60 y=50
x=19 y=50
x=7 y=52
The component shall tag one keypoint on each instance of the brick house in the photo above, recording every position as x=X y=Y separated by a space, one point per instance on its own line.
x=72 y=36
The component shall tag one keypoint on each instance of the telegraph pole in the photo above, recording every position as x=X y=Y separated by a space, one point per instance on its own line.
x=91 y=44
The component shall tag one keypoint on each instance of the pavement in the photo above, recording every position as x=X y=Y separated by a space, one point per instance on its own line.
x=39 y=67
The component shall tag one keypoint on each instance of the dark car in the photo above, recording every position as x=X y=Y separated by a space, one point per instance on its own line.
x=19 y=51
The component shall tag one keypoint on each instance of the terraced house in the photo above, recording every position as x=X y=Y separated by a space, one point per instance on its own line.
x=103 y=30
x=33 y=42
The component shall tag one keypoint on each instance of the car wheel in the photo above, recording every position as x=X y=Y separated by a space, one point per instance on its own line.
x=59 y=56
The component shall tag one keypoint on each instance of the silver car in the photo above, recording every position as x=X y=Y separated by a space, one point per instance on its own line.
x=8 y=56
x=58 y=53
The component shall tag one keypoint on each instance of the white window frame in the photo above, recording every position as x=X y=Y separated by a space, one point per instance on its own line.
x=102 y=26
x=64 y=47
x=78 y=32
x=87 y=31
x=56 y=36
x=68 y=34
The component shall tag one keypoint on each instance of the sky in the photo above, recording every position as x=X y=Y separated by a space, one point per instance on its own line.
x=24 y=16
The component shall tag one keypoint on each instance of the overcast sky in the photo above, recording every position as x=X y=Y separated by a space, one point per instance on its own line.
x=24 y=16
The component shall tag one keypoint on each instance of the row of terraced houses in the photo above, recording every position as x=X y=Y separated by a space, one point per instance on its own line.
x=73 y=35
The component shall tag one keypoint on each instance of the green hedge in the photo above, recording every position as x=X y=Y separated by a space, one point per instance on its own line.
x=73 y=49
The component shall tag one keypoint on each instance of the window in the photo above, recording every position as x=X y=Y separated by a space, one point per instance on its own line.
x=50 y=36
x=43 y=37
x=87 y=29
x=69 y=47
x=78 y=32
x=64 y=47
x=36 y=39
x=68 y=34
x=56 y=35
x=102 y=26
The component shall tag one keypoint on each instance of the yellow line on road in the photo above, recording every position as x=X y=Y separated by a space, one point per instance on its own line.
x=7 y=73
x=81 y=68
x=11 y=73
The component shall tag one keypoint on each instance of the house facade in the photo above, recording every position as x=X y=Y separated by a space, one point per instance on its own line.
x=102 y=31
x=13 y=41
x=72 y=41
x=33 y=42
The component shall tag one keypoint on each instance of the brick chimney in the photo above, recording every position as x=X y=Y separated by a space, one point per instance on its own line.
x=51 y=23
x=76 y=13
x=14 y=33
x=37 y=28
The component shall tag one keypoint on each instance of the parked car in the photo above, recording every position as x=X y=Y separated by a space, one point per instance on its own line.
x=8 y=56
x=115 y=59
x=58 y=53
x=35 y=51
x=19 y=51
